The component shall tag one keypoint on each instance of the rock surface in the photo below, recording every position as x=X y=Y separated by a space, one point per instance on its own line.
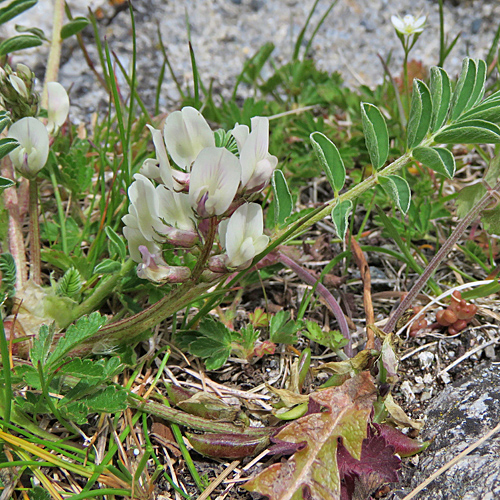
x=460 y=415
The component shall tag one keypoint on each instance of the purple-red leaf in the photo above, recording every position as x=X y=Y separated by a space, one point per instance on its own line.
x=404 y=446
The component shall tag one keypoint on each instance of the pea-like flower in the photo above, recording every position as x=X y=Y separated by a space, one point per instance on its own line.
x=186 y=134
x=154 y=268
x=408 y=25
x=215 y=177
x=31 y=155
x=242 y=235
x=257 y=165
x=57 y=107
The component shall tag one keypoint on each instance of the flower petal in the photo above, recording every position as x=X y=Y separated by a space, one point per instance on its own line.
x=57 y=107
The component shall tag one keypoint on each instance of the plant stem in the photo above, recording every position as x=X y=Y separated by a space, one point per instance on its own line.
x=442 y=253
x=54 y=59
x=34 y=230
x=6 y=392
x=60 y=211
x=324 y=292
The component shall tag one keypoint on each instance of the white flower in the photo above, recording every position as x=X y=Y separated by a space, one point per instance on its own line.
x=154 y=268
x=136 y=239
x=19 y=85
x=242 y=235
x=186 y=134
x=57 y=107
x=175 y=209
x=31 y=155
x=409 y=25
x=215 y=177
x=257 y=165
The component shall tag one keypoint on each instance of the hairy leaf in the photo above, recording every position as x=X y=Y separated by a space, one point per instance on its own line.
x=440 y=160
x=398 y=190
x=441 y=96
x=340 y=217
x=464 y=88
x=330 y=159
x=376 y=134
x=470 y=132
x=420 y=114
x=19 y=42
x=313 y=472
x=283 y=199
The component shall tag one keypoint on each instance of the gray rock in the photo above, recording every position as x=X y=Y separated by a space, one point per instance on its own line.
x=460 y=415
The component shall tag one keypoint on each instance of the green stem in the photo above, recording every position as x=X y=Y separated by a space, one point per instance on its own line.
x=60 y=210
x=6 y=392
x=34 y=230
x=54 y=59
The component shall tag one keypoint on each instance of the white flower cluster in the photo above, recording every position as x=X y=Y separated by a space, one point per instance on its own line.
x=172 y=204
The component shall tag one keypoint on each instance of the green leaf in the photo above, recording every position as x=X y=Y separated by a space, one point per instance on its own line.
x=488 y=111
x=468 y=198
x=8 y=272
x=7 y=145
x=491 y=220
x=493 y=173
x=4 y=120
x=470 y=132
x=86 y=369
x=441 y=97
x=83 y=329
x=116 y=245
x=332 y=339
x=420 y=114
x=330 y=159
x=283 y=330
x=33 y=31
x=40 y=351
x=109 y=400
x=39 y=493
x=14 y=9
x=70 y=283
x=107 y=266
x=440 y=160
x=283 y=199
x=74 y=26
x=398 y=190
x=19 y=42
x=340 y=217
x=5 y=183
x=212 y=342
x=376 y=135
x=480 y=80
x=464 y=89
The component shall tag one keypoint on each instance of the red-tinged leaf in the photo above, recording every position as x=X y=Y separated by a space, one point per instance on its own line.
x=280 y=447
x=206 y=405
x=404 y=446
x=313 y=471
x=176 y=394
x=377 y=465
x=231 y=446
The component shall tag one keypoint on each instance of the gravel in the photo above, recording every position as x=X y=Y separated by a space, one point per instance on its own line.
x=225 y=33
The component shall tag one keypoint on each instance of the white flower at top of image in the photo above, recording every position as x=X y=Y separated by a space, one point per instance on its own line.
x=257 y=165
x=215 y=177
x=409 y=25
x=31 y=155
x=186 y=134
x=57 y=106
x=242 y=235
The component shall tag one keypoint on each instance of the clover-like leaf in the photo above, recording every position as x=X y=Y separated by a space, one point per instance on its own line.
x=398 y=190
x=340 y=217
x=376 y=134
x=441 y=97
x=420 y=114
x=330 y=159
x=440 y=160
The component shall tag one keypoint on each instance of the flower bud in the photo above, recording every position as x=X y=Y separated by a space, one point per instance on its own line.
x=17 y=92
x=154 y=268
x=57 y=107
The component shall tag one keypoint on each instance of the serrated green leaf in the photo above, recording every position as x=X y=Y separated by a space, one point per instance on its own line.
x=283 y=330
x=441 y=97
x=70 y=283
x=420 y=114
x=8 y=272
x=86 y=369
x=76 y=411
x=376 y=134
x=14 y=9
x=74 y=26
x=398 y=190
x=116 y=245
x=493 y=173
x=6 y=183
x=40 y=351
x=283 y=199
x=330 y=159
x=440 y=160
x=7 y=145
x=83 y=329
x=107 y=266
x=340 y=217
x=19 y=42
x=109 y=400
x=464 y=88
x=332 y=339
x=470 y=132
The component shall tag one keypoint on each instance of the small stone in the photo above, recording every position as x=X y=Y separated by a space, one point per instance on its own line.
x=476 y=26
x=425 y=358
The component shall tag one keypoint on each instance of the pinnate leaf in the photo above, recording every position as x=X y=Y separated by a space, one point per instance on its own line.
x=314 y=469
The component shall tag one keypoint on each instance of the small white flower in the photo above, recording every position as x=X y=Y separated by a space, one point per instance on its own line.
x=154 y=268
x=186 y=134
x=31 y=155
x=136 y=239
x=257 y=165
x=57 y=107
x=409 y=25
x=242 y=235
x=215 y=177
